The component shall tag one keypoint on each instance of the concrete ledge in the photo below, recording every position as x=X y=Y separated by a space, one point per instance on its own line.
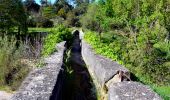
x=131 y=91
x=40 y=82
x=103 y=70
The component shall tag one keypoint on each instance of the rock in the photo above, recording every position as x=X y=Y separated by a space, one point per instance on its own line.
x=131 y=91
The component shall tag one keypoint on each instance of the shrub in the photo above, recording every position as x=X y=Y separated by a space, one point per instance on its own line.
x=72 y=20
x=149 y=63
x=89 y=20
x=43 y=22
x=47 y=23
x=56 y=35
x=31 y=22
x=12 y=70
x=62 y=13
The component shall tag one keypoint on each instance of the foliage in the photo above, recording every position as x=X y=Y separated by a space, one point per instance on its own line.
x=63 y=6
x=48 y=12
x=72 y=20
x=13 y=71
x=149 y=64
x=44 y=22
x=141 y=39
x=62 y=13
x=12 y=14
x=89 y=20
x=31 y=6
x=56 y=35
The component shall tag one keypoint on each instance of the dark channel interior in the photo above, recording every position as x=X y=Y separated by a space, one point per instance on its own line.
x=75 y=79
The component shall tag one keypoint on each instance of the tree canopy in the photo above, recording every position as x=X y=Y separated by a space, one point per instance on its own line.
x=12 y=14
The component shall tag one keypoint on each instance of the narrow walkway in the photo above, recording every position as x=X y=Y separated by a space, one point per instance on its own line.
x=78 y=84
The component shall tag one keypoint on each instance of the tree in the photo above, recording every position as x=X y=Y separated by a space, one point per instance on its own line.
x=44 y=2
x=12 y=14
x=20 y=17
x=31 y=6
x=63 y=4
x=62 y=7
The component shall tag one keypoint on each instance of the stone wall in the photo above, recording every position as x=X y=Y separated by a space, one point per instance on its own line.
x=102 y=71
x=41 y=83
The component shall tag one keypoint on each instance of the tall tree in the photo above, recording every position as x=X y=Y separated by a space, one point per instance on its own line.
x=62 y=4
x=12 y=14
x=31 y=6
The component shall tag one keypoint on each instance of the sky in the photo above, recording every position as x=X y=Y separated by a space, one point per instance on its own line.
x=38 y=1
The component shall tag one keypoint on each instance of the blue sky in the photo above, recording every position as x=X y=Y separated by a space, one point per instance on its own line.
x=38 y=1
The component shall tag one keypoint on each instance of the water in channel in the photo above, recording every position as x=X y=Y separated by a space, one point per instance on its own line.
x=78 y=84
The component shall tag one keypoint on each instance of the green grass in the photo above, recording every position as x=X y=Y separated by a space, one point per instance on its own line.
x=163 y=91
x=35 y=29
x=39 y=30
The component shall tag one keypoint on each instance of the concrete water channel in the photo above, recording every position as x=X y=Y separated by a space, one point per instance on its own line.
x=78 y=84
x=66 y=77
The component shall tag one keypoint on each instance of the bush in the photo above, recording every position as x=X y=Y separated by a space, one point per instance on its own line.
x=44 y=22
x=89 y=20
x=146 y=62
x=72 y=20
x=56 y=35
x=47 y=23
x=12 y=70
x=31 y=22
x=141 y=41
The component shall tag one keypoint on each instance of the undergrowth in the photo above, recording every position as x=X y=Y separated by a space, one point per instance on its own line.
x=146 y=63
x=13 y=70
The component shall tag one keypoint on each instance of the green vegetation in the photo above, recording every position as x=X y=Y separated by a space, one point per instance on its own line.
x=12 y=15
x=136 y=34
x=12 y=66
x=20 y=22
x=56 y=35
x=163 y=91
x=30 y=30
x=13 y=69
x=116 y=50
